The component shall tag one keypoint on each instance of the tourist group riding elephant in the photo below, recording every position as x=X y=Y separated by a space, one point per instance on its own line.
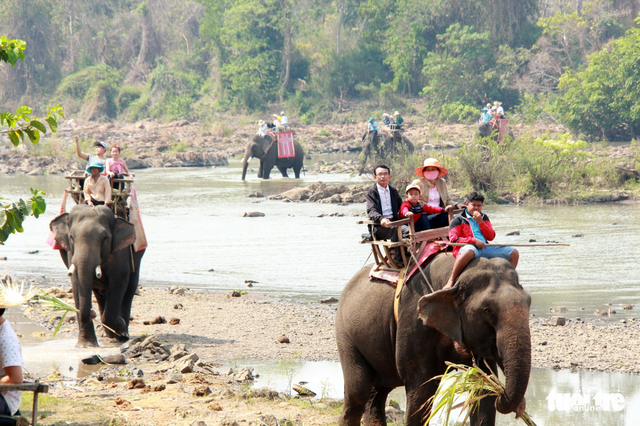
x=96 y=250
x=485 y=315
x=266 y=150
x=384 y=146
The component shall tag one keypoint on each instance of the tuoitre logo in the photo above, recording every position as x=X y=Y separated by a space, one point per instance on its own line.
x=601 y=401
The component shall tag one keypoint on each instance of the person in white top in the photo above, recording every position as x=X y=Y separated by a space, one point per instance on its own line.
x=284 y=119
x=262 y=128
x=499 y=111
x=10 y=350
x=276 y=121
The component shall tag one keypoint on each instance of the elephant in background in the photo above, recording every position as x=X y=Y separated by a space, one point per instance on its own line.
x=384 y=146
x=485 y=315
x=266 y=150
x=96 y=250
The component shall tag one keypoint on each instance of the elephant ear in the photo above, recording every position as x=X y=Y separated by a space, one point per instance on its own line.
x=60 y=228
x=440 y=311
x=124 y=234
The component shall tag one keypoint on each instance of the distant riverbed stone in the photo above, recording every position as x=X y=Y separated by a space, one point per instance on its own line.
x=321 y=192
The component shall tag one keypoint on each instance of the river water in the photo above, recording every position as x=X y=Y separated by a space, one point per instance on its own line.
x=193 y=224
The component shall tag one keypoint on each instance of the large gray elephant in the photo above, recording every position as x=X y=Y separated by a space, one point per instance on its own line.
x=486 y=314
x=96 y=250
x=266 y=150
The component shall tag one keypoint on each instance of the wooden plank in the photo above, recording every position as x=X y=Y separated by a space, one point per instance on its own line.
x=385 y=243
x=431 y=234
x=27 y=387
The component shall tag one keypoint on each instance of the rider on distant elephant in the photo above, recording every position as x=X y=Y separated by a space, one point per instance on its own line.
x=372 y=128
x=486 y=116
x=397 y=119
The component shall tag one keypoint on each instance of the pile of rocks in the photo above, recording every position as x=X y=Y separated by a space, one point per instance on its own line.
x=347 y=166
x=320 y=192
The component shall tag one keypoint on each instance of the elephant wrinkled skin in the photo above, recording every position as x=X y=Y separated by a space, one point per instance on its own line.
x=486 y=314
x=92 y=237
x=265 y=149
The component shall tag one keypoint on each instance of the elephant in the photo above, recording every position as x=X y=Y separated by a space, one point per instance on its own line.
x=96 y=250
x=485 y=315
x=484 y=129
x=266 y=150
x=384 y=146
x=487 y=130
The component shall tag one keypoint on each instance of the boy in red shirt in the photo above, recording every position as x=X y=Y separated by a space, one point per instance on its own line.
x=420 y=209
x=473 y=228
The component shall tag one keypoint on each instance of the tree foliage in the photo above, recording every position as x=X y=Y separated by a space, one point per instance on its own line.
x=603 y=100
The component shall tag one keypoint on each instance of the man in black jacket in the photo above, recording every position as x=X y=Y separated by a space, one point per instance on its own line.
x=383 y=204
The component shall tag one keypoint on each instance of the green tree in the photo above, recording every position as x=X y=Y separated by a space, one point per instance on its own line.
x=603 y=100
x=462 y=68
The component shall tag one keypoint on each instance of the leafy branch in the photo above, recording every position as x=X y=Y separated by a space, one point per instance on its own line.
x=13 y=214
x=21 y=123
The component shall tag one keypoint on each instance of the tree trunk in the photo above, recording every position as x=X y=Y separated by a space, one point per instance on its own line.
x=287 y=60
x=339 y=29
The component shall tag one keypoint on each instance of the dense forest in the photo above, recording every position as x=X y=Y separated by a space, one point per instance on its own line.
x=574 y=62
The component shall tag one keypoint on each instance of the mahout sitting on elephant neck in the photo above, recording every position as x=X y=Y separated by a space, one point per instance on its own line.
x=486 y=313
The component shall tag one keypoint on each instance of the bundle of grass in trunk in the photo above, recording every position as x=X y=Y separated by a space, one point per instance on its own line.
x=461 y=379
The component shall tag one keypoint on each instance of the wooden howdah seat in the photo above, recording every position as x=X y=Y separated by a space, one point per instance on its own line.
x=120 y=195
x=413 y=246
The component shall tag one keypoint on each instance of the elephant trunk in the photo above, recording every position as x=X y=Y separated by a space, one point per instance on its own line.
x=514 y=349
x=245 y=164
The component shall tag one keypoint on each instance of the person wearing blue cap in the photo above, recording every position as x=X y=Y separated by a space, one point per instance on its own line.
x=97 y=189
x=486 y=115
x=372 y=129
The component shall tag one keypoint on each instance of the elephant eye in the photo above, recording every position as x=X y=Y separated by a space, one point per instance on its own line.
x=487 y=310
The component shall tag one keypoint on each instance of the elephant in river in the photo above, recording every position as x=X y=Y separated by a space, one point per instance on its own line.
x=97 y=250
x=485 y=315
x=384 y=146
x=266 y=150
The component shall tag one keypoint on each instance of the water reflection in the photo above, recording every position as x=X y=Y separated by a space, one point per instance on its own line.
x=595 y=399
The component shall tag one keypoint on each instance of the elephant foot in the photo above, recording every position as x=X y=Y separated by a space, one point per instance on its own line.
x=83 y=343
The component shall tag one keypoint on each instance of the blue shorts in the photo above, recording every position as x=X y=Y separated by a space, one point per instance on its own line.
x=488 y=252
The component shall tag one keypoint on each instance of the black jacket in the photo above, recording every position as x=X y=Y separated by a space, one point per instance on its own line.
x=374 y=205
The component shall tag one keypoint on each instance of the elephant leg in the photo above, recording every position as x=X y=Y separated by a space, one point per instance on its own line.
x=82 y=298
x=283 y=170
x=266 y=172
x=114 y=297
x=358 y=387
x=417 y=395
x=374 y=413
x=127 y=300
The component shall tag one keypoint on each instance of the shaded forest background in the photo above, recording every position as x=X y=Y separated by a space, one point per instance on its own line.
x=575 y=62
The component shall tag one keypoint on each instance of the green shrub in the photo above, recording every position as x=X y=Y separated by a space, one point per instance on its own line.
x=126 y=96
x=96 y=87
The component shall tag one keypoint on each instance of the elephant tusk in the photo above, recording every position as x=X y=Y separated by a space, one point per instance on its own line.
x=249 y=159
x=98 y=271
x=72 y=270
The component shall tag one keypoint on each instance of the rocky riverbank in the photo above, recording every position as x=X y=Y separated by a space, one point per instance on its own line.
x=173 y=372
